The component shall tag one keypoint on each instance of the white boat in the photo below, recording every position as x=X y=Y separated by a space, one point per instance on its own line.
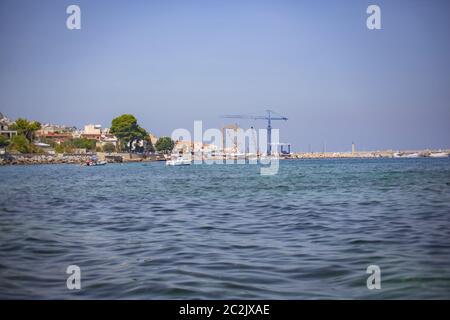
x=439 y=155
x=406 y=155
x=411 y=155
x=180 y=161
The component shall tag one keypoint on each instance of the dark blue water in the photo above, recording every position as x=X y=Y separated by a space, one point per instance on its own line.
x=146 y=231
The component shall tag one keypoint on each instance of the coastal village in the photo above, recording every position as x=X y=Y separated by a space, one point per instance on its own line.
x=29 y=142
x=54 y=143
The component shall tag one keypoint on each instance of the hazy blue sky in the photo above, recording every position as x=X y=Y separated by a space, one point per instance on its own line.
x=172 y=62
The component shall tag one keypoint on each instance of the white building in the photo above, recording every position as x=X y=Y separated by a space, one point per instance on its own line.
x=93 y=129
x=5 y=123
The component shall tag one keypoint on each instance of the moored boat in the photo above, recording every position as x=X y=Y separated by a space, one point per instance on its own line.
x=95 y=163
x=411 y=155
x=179 y=161
x=439 y=155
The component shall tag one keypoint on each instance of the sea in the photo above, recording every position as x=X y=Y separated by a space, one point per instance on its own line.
x=316 y=230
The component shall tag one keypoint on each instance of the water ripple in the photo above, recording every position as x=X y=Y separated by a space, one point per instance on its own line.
x=145 y=231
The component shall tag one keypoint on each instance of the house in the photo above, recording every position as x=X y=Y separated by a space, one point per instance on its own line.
x=54 y=128
x=56 y=133
x=187 y=146
x=92 y=132
x=55 y=137
x=153 y=138
x=5 y=124
x=101 y=135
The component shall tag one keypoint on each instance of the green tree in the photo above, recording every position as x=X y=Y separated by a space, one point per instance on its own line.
x=20 y=144
x=3 y=141
x=109 y=147
x=78 y=143
x=26 y=128
x=165 y=144
x=59 y=148
x=127 y=130
x=82 y=143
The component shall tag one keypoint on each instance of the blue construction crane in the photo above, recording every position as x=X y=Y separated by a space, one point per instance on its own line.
x=269 y=117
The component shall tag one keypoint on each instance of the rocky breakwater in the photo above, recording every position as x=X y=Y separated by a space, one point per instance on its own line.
x=23 y=159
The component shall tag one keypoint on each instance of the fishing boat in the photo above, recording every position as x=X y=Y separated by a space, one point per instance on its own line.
x=95 y=163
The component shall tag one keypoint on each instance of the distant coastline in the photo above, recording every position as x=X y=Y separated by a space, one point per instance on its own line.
x=37 y=159
x=426 y=153
x=78 y=159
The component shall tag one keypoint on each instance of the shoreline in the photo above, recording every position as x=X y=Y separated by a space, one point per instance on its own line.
x=80 y=159
x=77 y=159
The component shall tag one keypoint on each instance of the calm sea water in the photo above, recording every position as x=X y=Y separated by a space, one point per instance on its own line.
x=146 y=231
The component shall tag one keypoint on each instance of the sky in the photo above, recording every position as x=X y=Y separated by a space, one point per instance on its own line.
x=172 y=62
